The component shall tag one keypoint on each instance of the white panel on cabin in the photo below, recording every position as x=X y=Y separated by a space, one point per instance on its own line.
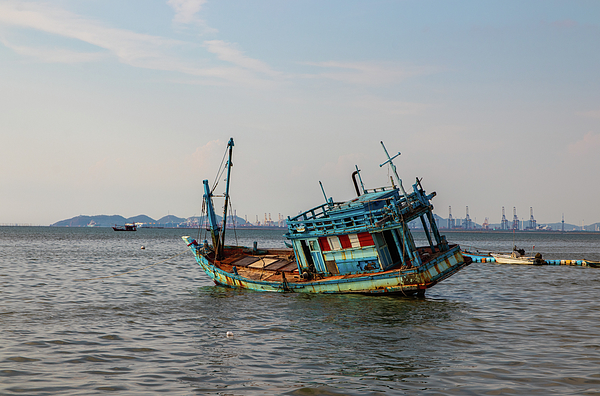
x=334 y=242
x=354 y=240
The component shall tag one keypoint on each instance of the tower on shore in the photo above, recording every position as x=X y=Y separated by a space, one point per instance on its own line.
x=532 y=222
x=467 y=223
x=504 y=222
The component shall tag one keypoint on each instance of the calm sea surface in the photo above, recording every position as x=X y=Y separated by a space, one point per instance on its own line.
x=490 y=329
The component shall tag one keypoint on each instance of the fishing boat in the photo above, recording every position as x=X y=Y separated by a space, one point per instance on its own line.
x=363 y=245
x=126 y=227
x=518 y=257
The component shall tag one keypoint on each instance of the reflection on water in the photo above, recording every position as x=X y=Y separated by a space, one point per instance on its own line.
x=490 y=329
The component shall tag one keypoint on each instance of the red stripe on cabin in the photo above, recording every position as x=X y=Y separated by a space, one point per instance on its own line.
x=365 y=239
x=324 y=244
x=345 y=241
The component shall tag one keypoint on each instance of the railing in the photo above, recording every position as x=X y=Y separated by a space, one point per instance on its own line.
x=319 y=220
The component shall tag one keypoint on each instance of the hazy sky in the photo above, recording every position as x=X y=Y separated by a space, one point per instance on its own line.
x=124 y=107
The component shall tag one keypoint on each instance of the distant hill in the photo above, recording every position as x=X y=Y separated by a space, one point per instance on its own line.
x=141 y=219
x=97 y=221
x=170 y=219
x=109 y=221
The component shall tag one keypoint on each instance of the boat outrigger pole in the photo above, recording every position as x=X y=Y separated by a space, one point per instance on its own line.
x=229 y=165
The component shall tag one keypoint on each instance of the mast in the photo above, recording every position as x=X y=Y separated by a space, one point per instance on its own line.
x=394 y=170
x=212 y=219
x=219 y=252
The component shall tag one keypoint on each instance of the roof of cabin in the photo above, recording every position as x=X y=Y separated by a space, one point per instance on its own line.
x=377 y=209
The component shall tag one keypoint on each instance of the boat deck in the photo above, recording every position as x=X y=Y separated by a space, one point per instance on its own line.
x=275 y=265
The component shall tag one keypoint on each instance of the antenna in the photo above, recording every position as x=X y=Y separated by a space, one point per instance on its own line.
x=394 y=170
x=325 y=195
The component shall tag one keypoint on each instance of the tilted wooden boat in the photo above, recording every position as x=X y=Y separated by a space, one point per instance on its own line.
x=363 y=245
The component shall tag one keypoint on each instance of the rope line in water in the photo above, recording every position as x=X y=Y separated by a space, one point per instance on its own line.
x=136 y=270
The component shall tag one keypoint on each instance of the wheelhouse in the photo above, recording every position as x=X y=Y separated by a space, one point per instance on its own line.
x=367 y=234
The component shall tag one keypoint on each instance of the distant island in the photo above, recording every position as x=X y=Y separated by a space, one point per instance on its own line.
x=142 y=221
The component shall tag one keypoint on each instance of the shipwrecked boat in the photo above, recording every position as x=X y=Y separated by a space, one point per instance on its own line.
x=363 y=245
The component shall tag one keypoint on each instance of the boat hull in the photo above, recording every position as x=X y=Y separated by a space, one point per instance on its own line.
x=507 y=259
x=399 y=281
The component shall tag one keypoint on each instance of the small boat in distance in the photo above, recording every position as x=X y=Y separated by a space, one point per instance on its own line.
x=363 y=245
x=518 y=257
x=126 y=227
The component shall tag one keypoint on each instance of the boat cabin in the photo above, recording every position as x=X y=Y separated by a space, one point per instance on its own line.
x=367 y=234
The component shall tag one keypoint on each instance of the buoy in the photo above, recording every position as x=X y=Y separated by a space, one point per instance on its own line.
x=229 y=334
x=143 y=247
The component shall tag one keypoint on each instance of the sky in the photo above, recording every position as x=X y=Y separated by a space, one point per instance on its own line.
x=124 y=107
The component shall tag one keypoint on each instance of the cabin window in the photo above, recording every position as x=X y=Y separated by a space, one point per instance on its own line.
x=334 y=242
x=354 y=240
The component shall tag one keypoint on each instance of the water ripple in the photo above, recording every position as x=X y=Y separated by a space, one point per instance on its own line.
x=490 y=329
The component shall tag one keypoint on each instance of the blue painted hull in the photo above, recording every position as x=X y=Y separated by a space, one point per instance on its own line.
x=401 y=281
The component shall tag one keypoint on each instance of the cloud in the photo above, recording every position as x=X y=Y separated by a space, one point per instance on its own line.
x=55 y=55
x=368 y=73
x=131 y=48
x=564 y=24
x=589 y=145
x=343 y=167
x=208 y=155
x=186 y=10
x=186 y=13
x=393 y=107
x=227 y=52
x=591 y=113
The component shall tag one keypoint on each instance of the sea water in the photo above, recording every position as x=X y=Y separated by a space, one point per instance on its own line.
x=68 y=328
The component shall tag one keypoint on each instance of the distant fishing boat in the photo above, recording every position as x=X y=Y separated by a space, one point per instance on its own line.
x=363 y=245
x=518 y=257
x=126 y=227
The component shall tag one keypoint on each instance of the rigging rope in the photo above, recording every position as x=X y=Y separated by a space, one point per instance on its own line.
x=233 y=220
x=129 y=272
x=219 y=172
x=202 y=221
